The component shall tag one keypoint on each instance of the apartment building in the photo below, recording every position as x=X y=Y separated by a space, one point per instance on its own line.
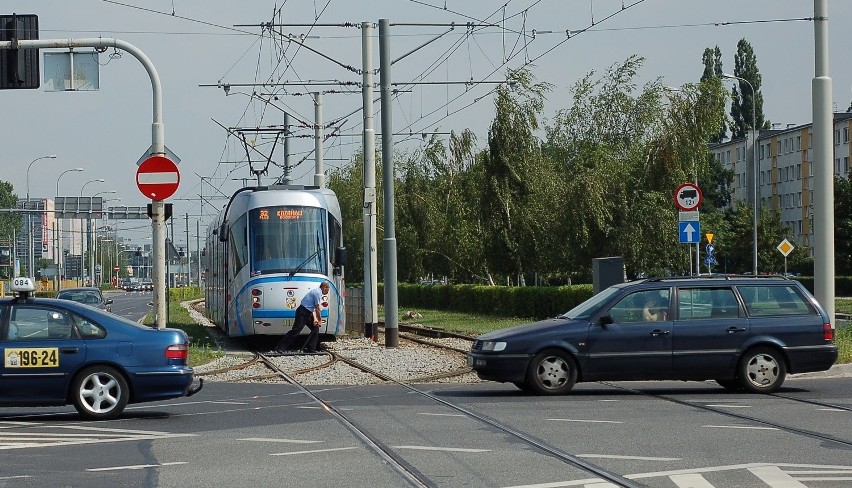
x=785 y=171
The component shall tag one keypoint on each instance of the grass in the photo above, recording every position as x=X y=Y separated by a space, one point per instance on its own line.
x=202 y=348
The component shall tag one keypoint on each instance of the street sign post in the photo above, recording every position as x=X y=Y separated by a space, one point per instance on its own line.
x=785 y=248
x=158 y=177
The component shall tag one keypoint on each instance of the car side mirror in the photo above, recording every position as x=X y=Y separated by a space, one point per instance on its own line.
x=108 y=301
x=223 y=232
x=340 y=255
x=606 y=320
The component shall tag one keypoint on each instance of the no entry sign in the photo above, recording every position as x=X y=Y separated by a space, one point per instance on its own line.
x=158 y=177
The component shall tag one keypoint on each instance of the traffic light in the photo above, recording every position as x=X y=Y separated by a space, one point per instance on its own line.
x=19 y=68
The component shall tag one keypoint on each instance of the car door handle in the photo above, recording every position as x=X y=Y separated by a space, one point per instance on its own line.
x=732 y=330
x=69 y=350
x=658 y=332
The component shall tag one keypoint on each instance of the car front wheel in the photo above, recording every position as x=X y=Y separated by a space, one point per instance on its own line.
x=100 y=393
x=551 y=372
x=762 y=370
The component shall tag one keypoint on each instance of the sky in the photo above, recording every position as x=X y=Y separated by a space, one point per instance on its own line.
x=193 y=43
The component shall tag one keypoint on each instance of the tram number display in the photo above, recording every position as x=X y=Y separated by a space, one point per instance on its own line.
x=31 y=357
x=280 y=214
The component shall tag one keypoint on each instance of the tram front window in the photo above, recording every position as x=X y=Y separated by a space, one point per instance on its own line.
x=288 y=239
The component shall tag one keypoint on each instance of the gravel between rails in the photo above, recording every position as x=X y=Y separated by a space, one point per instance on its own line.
x=408 y=362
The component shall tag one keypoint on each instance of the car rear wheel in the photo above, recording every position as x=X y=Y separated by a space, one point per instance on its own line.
x=762 y=370
x=551 y=372
x=100 y=393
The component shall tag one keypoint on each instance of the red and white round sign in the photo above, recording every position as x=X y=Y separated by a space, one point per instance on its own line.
x=158 y=177
x=688 y=197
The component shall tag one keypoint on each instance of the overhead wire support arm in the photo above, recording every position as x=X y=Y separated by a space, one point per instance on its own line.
x=291 y=38
x=430 y=41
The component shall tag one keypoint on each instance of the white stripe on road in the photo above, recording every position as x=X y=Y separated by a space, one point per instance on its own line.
x=313 y=452
x=135 y=466
x=286 y=441
x=588 y=421
x=447 y=449
x=773 y=476
x=635 y=458
x=442 y=414
x=738 y=427
x=690 y=481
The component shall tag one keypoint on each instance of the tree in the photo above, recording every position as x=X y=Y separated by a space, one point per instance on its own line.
x=843 y=226
x=712 y=59
x=512 y=164
x=10 y=224
x=745 y=66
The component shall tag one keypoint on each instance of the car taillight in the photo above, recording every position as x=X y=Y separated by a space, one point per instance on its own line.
x=177 y=351
x=256 y=301
x=827 y=332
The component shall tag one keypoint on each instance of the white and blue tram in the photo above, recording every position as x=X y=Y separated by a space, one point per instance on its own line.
x=266 y=249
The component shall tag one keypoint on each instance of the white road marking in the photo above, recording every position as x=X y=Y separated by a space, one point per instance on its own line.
x=588 y=421
x=448 y=449
x=635 y=458
x=313 y=452
x=37 y=438
x=595 y=482
x=135 y=466
x=690 y=481
x=831 y=409
x=773 y=476
x=285 y=441
x=726 y=405
x=442 y=414
x=738 y=427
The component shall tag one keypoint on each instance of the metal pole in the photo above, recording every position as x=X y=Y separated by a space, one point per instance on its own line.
x=286 y=149
x=389 y=254
x=30 y=239
x=319 y=175
x=157 y=136
x=371 y=299
x=823 y=165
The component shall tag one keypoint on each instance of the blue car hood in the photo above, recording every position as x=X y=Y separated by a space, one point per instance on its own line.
x=525 y=329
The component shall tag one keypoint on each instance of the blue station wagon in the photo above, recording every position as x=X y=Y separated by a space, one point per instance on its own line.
x=743 y=332
x=60 y=352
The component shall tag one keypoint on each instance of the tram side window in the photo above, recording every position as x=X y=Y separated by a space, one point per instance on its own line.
x=238 y=245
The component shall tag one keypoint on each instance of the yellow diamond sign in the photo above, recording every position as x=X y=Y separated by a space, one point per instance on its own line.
x=785 y=247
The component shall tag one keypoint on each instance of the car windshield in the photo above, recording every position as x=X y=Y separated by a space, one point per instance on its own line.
x=89 y=297
x=590 y=306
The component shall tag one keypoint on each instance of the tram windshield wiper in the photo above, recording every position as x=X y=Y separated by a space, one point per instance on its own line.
x=309 y=258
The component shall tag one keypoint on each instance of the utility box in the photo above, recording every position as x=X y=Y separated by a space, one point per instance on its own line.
x=607 y=272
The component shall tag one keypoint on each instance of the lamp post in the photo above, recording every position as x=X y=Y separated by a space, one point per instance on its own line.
x=84 y=233
x=58 y=233
x=93 y=238
x=30 y=240
x=755 y=163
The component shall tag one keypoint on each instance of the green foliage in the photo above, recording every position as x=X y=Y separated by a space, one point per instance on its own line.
x=518 y=301
x=10 y=223
x=843 y=226
x=747 y=100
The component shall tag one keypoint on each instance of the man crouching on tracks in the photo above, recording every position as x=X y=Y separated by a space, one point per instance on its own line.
x=309 y=313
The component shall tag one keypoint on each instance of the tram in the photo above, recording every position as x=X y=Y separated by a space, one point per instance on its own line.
x=266 y=249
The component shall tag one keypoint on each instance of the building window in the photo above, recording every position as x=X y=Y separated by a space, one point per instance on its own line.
x=845 y=135
x=798 y=143
x=738 y=154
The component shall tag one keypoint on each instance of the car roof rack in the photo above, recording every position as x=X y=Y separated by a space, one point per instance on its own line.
x=717 y=276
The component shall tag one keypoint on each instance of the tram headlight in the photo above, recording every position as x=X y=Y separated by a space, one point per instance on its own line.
x=493 y=346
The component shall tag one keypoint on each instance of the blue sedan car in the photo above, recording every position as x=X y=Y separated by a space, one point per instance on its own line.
x=60 y=352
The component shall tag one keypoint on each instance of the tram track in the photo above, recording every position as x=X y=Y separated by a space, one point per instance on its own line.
x=845 y=443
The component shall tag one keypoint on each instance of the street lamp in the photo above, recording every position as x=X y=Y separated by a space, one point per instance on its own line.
x=755 y=163
x=83 y=233
x=58 y=232
x=30 y=240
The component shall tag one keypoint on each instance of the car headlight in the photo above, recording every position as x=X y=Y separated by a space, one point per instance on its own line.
x=493 y=346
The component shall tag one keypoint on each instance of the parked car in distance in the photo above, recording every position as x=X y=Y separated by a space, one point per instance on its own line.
x=61 y=352
x=743 y=332
x=86 y=294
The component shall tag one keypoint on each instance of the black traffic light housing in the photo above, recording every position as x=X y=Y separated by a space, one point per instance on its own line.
x=19 y=68
x=167 y=211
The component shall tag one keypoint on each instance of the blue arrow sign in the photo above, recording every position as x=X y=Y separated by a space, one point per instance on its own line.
x=710 y=261
x=689 y=232
x=710 y=249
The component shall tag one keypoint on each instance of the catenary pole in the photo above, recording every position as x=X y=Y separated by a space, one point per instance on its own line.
x=371 y=299
x=823 y=144
x=389 y=242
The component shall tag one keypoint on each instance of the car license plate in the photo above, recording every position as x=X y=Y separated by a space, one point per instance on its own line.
x=469 y=360
x=31 y=357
